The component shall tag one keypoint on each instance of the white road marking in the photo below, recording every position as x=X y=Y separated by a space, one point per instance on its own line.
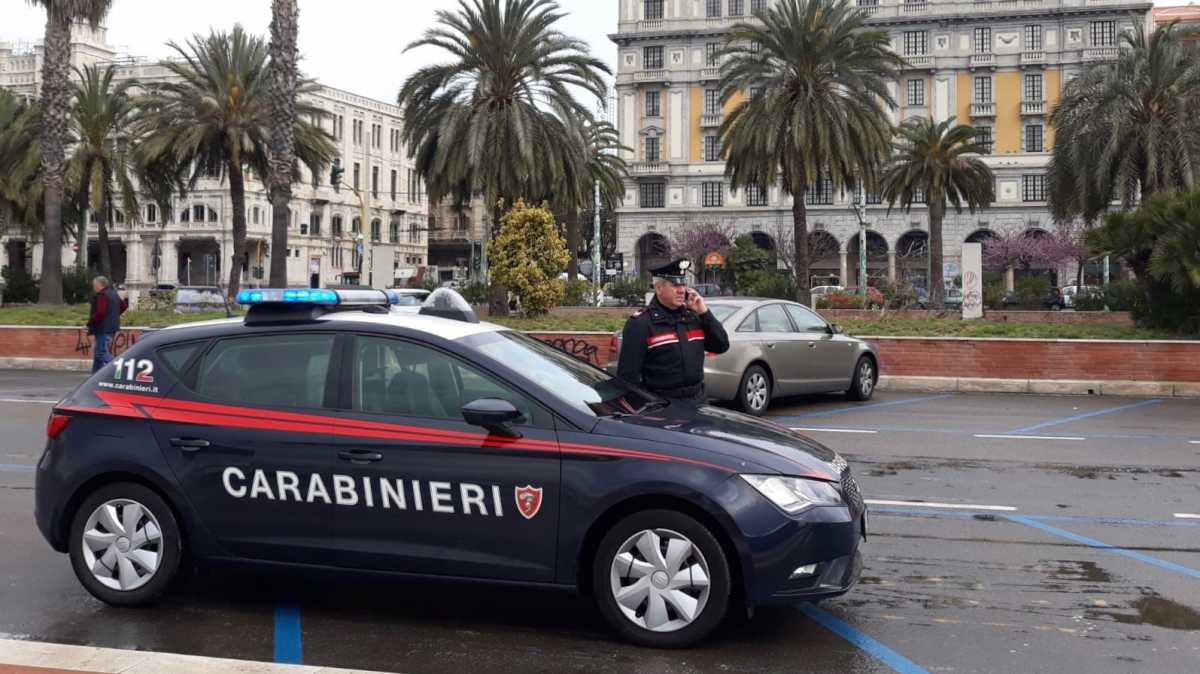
x=1194 y=442
x=834 y=430
x=1187 y=516
x=952 y=506
x=28 y=400
x=1029 y=437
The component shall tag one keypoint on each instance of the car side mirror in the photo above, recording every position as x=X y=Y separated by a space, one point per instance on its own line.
x=494 y=414
x=836 y=329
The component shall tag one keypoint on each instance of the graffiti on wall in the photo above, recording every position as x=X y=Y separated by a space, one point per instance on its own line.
x=120 y=342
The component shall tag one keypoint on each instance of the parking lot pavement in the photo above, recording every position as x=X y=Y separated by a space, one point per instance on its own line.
x=1023 y=551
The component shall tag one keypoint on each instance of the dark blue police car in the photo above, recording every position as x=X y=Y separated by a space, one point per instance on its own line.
x=329 y=429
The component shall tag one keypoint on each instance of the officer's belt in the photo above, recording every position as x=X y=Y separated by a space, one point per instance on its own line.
x=682 y=392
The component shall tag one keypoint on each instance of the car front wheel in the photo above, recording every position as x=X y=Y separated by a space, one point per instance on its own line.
x=125 y=545
x=862 y=386
x=754 y=393
x=661 y=579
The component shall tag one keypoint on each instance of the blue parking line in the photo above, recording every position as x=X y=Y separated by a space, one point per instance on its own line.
x=287 y=634
x=855 y=408
x=1089 y=415
x=1078 y=519
x=16 y=468
x=898 y=663
x=1100 y=545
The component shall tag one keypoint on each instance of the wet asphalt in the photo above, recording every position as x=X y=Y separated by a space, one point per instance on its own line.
x=1065 y=556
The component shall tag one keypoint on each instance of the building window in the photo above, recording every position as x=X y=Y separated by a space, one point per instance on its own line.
x=985 y=137
x=375 y=182
x=652 y=149
x=712 y=101
x=755 y=92
x=304 y=229
x=737 y=7
x=1033 y=38
x=983 y=40
x=198 y=213
x=356 y=226
x=757 y=6
x=916 y=93
x=394 y=231
x=1104 y=33
x=755 y=47
x=1033 y=87
x=652 y=58
x=414 y=232
x=152 y=213
x=1033 y=138
x=916 y=42
x=357 y=173
x=821 y=193
x=653 y=103
x=653 y=9
x=712 y=194
x=314 y=224
x=712 y=148
x=339 y=127
x=652 y=195
x=376 y=229
x=711 y=50
x=756 y=195
x=869 y=4
x=712 y=9
x=983 y=89
x=336 y=223
x=1033 y=187
x=393 y=184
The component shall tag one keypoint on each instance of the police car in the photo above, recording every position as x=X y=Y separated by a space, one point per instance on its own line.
x=333 y=430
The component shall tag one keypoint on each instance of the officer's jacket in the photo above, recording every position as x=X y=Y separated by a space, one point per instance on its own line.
x=664 y=349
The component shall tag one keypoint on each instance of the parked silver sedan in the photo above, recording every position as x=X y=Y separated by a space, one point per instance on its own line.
x=779 y=348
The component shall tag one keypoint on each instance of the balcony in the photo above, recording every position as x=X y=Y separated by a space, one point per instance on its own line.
x=649 y=76
x=983 y=109
x=1033 y=107
x=710 y=121
x=915 y=7
x=649 y=168
x=651 y=24
x=1033 y=58
x=918 y=62
x=710 y=74
x=982 y=61
x=1100 y=54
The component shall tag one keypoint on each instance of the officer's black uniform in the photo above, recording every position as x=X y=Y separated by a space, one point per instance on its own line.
x=663 y=349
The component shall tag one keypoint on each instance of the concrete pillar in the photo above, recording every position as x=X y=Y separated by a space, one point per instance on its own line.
x=1010 y=276
x=891 y=266
x=168 y=270
x=844 y=278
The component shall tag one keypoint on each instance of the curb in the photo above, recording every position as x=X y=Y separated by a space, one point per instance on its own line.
x=1131 y=389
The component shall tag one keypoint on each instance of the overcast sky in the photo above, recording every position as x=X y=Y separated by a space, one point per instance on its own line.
x=354 y=45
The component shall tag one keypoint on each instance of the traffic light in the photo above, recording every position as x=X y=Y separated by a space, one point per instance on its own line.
x=335 y=175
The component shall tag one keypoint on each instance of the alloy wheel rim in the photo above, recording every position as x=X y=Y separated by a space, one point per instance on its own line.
x=660 y=580
x=122 y=544
x=756 y=391
x=866 y=379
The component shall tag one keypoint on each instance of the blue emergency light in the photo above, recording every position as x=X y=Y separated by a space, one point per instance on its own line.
x=288 y=296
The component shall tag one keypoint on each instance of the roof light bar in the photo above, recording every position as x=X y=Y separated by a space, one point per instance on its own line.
x=316 y=296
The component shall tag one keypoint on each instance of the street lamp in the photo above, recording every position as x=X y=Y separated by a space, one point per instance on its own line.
x=860 y=209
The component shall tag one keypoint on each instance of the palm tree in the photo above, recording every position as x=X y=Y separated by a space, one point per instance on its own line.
x=215 y=120
x=1127 y=129
x=56 y=109
x=285 y=26
x=933 y=159
x=103 y=159
x=20 y=161
x=593 y=160
x=817 y=110
x=482 y=122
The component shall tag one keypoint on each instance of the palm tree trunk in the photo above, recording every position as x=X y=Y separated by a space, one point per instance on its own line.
x=237 y=194
x=56 y=108
x=800 y=237
x=284 y=31
x=937 y=288
x=497 y=293
x=103 y=216
x=573 y=244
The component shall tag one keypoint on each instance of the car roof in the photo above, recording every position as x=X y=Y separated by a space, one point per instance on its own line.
x=400 y=317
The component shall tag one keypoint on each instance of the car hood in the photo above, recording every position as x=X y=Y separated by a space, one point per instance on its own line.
x=747 y=443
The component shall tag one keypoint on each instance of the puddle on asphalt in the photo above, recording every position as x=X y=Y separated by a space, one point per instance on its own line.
x=1081 y=570
x=1159 y=612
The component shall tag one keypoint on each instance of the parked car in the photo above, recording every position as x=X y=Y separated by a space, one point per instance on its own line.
x=780 y=348
x=820 y=291
x=708 y=289
x=1069 y=293
x=1054 y=300
x=194 y=299
x=953 y=297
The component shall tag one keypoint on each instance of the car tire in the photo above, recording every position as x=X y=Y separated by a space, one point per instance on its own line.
x=754 y=392
x=626 y=540
x=117 y=533
x=862 y=383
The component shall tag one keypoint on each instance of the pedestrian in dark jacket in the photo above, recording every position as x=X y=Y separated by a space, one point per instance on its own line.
x=104 y=320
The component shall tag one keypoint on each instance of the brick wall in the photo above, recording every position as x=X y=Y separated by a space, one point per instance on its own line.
x=1118 y=318
x=900 y=356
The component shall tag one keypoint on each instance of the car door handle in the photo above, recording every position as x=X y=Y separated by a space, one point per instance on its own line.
x=189 y=444
x=359 y=456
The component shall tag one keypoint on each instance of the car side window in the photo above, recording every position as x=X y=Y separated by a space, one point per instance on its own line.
x=750 y=324
x=771 y=318
x=178 y=355
x=805 y=320
x=400 y=378
x=275 y=370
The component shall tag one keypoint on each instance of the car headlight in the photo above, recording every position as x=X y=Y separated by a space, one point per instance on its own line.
x=794 y=494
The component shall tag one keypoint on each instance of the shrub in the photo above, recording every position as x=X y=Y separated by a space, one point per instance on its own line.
x=842 y=301
x=993 y=295
x=527 y=256
x=1090 y=302
x=766 y=284
x=629 y=289
x=475 y=293
x=77 y=286
x=1032 y=290
x=576 y=293
x=900 y=295
x=1123 y=296
x=19 y=287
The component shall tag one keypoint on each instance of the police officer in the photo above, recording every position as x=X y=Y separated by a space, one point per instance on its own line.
x=663 y=345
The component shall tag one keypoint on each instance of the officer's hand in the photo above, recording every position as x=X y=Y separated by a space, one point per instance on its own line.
x=695 y=302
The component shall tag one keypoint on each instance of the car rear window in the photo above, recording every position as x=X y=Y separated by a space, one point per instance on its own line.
x=177 y=355
x=722 y=311
x=275 y=370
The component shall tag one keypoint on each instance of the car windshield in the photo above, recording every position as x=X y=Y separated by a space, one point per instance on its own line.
x=586 y=388
x=722 y=311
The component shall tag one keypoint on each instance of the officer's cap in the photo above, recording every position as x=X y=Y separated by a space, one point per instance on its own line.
x=674 y=271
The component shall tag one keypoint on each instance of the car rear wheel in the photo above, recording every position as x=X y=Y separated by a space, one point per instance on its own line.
x=862 y=386
x=754 y=393
x=125 y=545
x=661 y=579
